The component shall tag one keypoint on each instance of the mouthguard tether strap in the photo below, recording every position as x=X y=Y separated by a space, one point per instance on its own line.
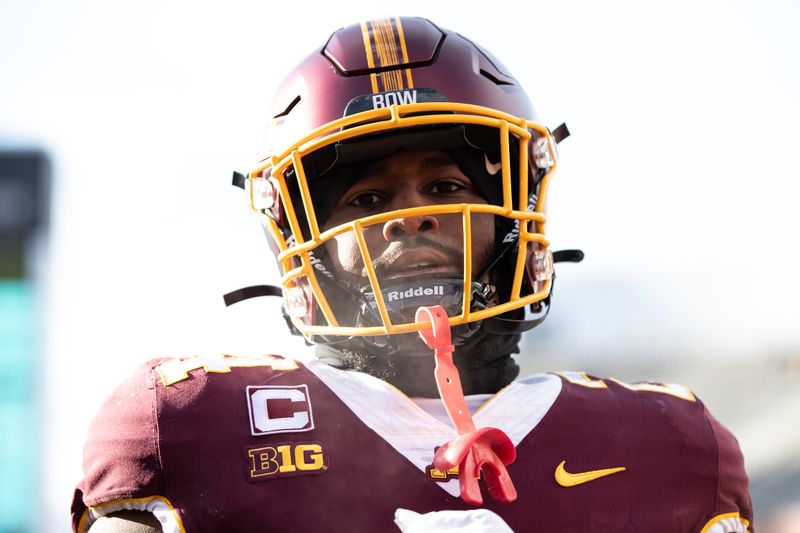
x=485 y=450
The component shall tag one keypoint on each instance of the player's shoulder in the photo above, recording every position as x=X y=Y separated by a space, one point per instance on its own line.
x=661 y=428
x=582 y=384
x=172 y=370
x=639 y=408
x=667 y=412
x=124 y=446
x=641 y=404
x=179 y=381
x=647 y=408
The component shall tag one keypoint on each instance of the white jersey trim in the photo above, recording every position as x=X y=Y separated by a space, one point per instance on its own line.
x=435 y=407
x=517 y=410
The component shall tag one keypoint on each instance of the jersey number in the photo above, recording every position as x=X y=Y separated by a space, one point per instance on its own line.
x=679 y=391
x=176 y=370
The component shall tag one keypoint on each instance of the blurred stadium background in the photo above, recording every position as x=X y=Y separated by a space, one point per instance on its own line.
x=119 y=231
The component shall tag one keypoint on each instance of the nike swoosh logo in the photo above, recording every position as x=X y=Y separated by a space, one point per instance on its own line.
x=566 y=479
x=491 y=168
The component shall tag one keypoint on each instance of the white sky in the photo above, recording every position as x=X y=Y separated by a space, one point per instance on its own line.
x=680 y=180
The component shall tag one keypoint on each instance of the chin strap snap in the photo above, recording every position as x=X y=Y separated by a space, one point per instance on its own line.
x=485 y=450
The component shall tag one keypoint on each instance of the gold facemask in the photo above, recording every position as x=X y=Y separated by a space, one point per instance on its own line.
x=305 y=297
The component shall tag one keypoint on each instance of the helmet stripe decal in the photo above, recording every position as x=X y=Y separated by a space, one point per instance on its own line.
x=387 y=53
x=405 y=51
x=384 y=52
x=365 y=33
x=384 y=39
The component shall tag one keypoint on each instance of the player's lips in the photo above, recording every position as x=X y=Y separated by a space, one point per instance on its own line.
x=422 y=262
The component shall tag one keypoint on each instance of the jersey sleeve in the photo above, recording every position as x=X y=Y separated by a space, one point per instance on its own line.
x=121 y=454
x=733 y=497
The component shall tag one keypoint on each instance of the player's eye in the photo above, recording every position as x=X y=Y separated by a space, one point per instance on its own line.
x=365 y=199
x=446 y=187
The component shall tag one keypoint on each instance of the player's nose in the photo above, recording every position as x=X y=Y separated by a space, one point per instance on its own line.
x=410 y=226
x=413 y=224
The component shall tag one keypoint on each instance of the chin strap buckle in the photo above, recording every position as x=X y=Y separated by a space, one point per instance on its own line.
x=485 y=450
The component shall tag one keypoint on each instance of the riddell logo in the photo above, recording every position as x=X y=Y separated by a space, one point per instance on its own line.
x=394 y=296
x=512 y=235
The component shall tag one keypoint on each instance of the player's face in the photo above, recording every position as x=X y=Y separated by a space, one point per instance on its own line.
x=414 y=246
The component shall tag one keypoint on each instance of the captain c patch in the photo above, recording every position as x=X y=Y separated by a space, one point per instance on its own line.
x=279 y=409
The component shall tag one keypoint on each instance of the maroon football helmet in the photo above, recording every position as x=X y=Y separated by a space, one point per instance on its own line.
x=371 y=90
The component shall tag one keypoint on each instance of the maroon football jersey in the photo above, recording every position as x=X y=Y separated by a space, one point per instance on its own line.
x=271 y=444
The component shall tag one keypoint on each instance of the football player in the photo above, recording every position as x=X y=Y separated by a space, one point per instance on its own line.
x=404 y=196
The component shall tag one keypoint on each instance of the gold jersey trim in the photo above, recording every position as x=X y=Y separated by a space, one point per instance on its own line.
x=727 y=523
x=159 y=506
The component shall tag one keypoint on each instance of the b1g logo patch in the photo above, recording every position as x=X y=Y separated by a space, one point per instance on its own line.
x=279 y=409
x=286 y=460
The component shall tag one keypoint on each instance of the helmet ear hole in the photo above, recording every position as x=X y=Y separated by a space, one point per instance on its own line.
x=542 y=264
x=538 y=268
x=298 y=300
x=264 y=192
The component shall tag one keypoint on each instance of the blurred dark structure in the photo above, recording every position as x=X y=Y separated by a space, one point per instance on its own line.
x=24 y=199
x=24 y=191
